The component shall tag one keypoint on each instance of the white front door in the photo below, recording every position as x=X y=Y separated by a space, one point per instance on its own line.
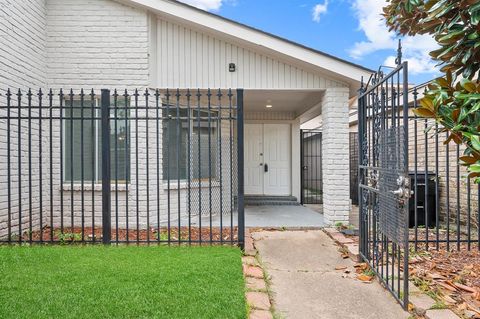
x=253 y=159
x=277 y=154
x=267 y=159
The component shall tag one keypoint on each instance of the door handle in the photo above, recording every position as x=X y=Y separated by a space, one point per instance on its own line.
x=399 y=192
x=265 y=168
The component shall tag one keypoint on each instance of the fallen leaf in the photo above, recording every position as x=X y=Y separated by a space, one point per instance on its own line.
x=411 y=307
x=446 y=286
x=476 y=295
x=365 y=278
x=340 y=267
x=435 y=276
x=473 y=308
x=449 y=299
x=466 y=288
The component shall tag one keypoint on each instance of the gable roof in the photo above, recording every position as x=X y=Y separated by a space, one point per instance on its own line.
x=349 y=72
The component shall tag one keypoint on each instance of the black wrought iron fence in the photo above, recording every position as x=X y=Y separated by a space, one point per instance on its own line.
x=444 y=210
x=354 y=167
x=384 y=186
x=414 y=194
x=153 y=166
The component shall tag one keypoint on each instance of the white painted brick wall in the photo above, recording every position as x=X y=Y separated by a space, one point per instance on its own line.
x=335 y=155
x=96 y=43
x=89 y=44
x=22 y=66
x=22 y=44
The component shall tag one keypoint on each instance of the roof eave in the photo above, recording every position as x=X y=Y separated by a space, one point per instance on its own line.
x=350 y=72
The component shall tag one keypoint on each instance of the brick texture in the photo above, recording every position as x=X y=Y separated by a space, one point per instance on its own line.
x=335 y=156
x=22 y=66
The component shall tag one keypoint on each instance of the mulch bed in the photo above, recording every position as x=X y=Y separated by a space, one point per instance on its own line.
x=451 y=277
x=185 y=235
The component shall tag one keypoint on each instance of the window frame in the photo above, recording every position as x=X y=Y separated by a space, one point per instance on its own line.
x=96 y=181
x=193 y=121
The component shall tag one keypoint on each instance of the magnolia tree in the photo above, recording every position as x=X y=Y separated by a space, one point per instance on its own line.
x=453 y=100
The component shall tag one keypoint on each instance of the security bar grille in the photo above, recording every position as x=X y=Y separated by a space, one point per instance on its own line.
x=153 y=166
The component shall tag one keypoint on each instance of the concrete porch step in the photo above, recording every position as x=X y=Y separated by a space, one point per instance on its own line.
x=255 y=200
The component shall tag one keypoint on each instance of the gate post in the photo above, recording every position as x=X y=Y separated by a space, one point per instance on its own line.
x=106 y=178
x=361 y=181
x=302 y=167
x=240 y=163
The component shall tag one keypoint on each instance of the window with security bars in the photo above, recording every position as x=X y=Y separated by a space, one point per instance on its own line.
x=82 y=142
x=199 y=129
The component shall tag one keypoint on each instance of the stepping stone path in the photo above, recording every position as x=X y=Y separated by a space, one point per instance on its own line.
x=257 y=295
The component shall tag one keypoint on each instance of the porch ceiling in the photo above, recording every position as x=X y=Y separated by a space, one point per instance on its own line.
x=293 y=101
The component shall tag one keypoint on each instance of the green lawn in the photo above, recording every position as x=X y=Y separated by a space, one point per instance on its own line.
x=121 y=282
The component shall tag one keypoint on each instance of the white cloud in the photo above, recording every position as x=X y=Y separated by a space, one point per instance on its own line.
x=209 y=5
x=415 y=49
x=318 y=10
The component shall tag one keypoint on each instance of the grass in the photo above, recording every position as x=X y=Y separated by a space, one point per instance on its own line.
x=121 y=282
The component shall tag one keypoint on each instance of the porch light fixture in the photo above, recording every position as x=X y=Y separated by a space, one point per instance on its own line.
x=269 y=106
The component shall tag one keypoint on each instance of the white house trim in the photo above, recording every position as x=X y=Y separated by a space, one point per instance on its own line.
x=200 y=19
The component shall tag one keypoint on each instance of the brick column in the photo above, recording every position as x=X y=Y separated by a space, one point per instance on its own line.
x=335 y=156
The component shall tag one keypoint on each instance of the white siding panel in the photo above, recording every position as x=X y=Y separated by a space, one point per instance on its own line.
x=190 y=58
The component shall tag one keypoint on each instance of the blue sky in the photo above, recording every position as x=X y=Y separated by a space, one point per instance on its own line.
x=349 y=29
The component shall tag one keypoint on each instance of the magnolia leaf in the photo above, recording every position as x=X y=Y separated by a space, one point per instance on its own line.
x=469 y=85
x=423 y=112
x=475 y=108
x=473 y=175
x=469 y=160
x=473 y=36
x=476 y=142
x=430 y=4
x=474 y=168
x=467 y=96
x=455 y=114
x=463 y=114
x=475 y=18
x=427 y=103
x=454 y=104
x=453 y=137
x=443 y=82
x=449 y=77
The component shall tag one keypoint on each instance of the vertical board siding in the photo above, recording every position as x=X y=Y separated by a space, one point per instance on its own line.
x=189 y=58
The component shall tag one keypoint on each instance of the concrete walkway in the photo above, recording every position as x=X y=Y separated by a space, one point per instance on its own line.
x=305 y=283
x=270 y=216
x=282 y=216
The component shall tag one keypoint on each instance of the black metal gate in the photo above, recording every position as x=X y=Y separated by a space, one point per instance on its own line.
x=311 y=166
x=122 y=166
x=384 y=182
x=354 y=168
